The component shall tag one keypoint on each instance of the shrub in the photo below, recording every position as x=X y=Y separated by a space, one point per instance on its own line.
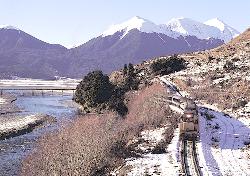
x=94 y=90
x=210 y=58
x=166 y=66
x=80 y=149
x=95 y=144
x=116 y=101
x=130 y=80
x=96 y=93
x=209 y=116
x=229 y=66
x=240 y=103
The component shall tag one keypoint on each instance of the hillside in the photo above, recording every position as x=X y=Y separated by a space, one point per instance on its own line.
x=218 y=80
x=218 y=76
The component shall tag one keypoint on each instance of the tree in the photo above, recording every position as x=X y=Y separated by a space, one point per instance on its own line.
x=165 y=66
x=94 y=90
x=130 y=80
x=125 y=69
x=131 y=70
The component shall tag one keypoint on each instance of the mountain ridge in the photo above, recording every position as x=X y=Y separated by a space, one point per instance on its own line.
x=22 y=55
x=176 y=27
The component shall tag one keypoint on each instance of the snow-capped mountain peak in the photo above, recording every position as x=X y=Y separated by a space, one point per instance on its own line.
x=187 y=26
x=136 y=22
x=227 y=32
x=8 y=27
x=216 y=22
x=176 y=27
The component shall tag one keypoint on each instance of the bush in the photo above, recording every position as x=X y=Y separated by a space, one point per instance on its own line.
x=229 y=66
x=83 y=148
x=166 y=66
x=210 y=58
x=240 y=103
x=130 y=80
x=95 y=89
x=95 y=144
x=96 y=93
x=209 y=116
x=116 y=101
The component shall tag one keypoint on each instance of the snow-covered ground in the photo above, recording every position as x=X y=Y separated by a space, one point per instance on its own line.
x=14 y=124
x=222 y=149
x=157 y=164
x=2 y=101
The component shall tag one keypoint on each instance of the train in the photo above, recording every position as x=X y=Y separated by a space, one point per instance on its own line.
x=189 y=122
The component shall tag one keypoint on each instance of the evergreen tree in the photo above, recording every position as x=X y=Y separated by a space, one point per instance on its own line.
x=93 y=90
x=125 y=70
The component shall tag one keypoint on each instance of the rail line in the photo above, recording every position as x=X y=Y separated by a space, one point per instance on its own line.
x=189 y=160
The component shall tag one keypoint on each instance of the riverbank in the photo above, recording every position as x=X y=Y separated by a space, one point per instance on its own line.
x=23 y=120
x=12 y=126
x=7 y=105
x=13 y=123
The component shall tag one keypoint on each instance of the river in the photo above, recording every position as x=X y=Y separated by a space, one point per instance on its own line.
x=13 y=150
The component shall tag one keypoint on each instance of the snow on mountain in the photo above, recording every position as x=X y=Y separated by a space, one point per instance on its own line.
x=227 y=32
x=136 y=22
x=8 y=27
x=189 y=27
x=176 y=27
x=215 y=22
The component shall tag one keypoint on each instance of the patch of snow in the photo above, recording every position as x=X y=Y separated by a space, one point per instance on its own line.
x=154 y=136
x=2 y=101
x=219 y=80
x=158 y=164
x=216 y=23
x=136 y=22
x=17 y=123
x=8 y=27
x=189 y=27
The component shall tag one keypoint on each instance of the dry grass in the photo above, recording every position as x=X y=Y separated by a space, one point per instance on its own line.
x=95 y=144
x=228 y=97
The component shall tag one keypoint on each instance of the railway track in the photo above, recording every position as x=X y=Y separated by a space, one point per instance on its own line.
x=189 y=160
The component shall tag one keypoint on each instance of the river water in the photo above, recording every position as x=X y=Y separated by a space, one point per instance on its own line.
x=13 y=150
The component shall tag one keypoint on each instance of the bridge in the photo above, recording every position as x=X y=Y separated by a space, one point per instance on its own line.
x=36 y=89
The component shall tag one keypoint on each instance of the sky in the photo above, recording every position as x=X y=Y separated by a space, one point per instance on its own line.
x=74 y=22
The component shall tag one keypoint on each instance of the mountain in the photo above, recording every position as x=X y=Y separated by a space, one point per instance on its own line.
x=139 y=39
x=176 y=27
x=135 y=40
x=227 y=32
x=23 y=55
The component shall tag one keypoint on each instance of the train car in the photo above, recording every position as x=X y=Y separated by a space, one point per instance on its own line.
x=188 y=125
x=189 y=122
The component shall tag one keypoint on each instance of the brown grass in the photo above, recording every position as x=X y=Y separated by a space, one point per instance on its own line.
x=95 y=144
